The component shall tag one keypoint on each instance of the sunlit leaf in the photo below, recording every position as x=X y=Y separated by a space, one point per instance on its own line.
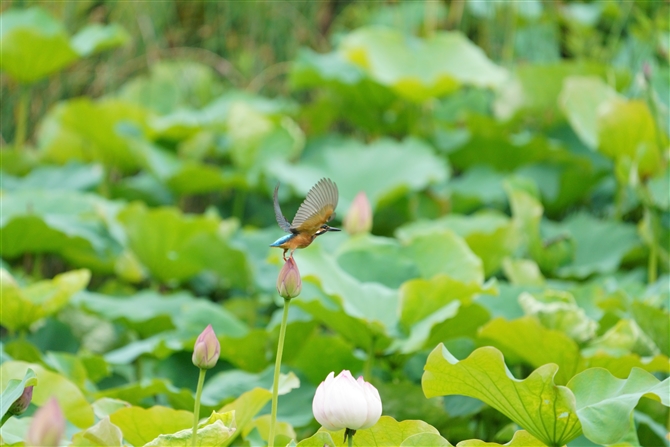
x=104 y=433
x=420 y=69
x=21 y=307
x=155 y=421
x=34 y=44
x=73 y=176
x=386 y=432
x=214 y=432
x=543 y=409
x=521 y=439
x=601 y=398
x=245 y=408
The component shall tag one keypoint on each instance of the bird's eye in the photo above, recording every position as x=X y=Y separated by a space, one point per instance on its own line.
x=324 y=226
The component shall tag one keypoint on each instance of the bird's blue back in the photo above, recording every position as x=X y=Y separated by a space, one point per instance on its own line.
x=282 y=240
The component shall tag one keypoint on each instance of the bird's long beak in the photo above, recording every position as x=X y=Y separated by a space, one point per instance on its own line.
x=333 y=229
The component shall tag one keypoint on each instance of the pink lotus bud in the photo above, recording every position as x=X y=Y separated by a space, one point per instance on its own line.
x=47 y=427
x=21 y=404
x=289 y=283
x=206 y=350
x=359 y=217
x=344 y=402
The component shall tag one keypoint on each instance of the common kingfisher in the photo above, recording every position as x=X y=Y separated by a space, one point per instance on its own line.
x=310 y=220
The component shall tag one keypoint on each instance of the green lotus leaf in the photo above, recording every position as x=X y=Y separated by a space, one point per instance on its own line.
x=155 y=421
x=73 y=176
x=175 y=247
x=95 y=38
x=214 y=432
x=420 y=69
x=654 y=322
x=602 y=398
x=443 y=252
x=386 y=432
x=23 y=306
x=528 y=339
x=490 y=235
x=580 y=99
x=627 y=132
x=371 y=258
x=102 y=131
x=521 y=439
x=34 y=44
x=543 y=409
x=558 y=310
x=104 y=433
x=404 y=166
x=71 y=400
x=72 y=224
x=246 y=408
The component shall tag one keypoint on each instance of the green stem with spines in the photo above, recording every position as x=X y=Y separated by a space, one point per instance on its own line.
x=196 y=409
x=275 y=381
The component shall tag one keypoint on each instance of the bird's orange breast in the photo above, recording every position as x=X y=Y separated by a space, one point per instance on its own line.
x=301 y=240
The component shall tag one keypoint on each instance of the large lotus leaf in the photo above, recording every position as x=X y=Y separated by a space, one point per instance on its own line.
x=522 y=272
x=477 y=187
x=420 y=69
x=441 y=251
x=337 y=355
x=14 y=389
x=602 y=398
x=536 y=87
x=558 y=310
x=419 y=297
x=155 y=421
x=65 y=222
x=104 y=433
x=527 y=339
x=489 y=234
x=23 y=306
x=386 y=432
x=376 y=259
x=580 y=100
x=175 y=247
x=333 y=312
x=34 y=44
x=521 y=438
x=384 y=170
x=215 y=431
x=73 y=176
x=173 y=85
x=600 y=244
x=102 y=131
x=76 y=408
x=95 y=38
x=627 y=132
x=371 y=303
x=542 y=408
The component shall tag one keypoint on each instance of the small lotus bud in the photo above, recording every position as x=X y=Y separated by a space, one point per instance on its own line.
x=47 y=427
x=359 y=217
x=21 y=404
x=289 y=283
x=344 y=402
x=206 y=350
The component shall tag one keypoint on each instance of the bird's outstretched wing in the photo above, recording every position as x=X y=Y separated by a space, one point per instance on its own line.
x=318 y=207
x=281 y=220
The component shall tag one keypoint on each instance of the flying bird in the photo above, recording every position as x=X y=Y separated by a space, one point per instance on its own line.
x=311 y=219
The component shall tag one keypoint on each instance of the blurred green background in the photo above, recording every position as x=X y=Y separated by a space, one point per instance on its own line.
x=514 y=155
